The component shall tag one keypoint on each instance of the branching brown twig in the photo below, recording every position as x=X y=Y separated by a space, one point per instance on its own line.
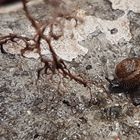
x=56 y=65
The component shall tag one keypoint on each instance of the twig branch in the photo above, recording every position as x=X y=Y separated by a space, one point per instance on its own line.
x=56 y=65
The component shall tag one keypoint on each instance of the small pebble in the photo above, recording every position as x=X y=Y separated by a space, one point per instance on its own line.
x=88 y=67
x=113 y=31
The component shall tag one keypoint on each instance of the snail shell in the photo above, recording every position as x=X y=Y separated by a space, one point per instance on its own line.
x=128 y=73
x=127 y=79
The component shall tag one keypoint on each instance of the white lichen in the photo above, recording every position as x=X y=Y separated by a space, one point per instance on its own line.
x=126 y=5
x=68 y=46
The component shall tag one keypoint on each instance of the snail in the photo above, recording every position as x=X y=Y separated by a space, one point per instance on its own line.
x=127 y=79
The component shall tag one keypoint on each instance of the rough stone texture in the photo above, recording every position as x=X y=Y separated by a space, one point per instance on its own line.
x=126 y=5
x=30 y=111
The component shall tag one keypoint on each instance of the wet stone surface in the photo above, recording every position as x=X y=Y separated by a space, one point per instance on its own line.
x=30 y=111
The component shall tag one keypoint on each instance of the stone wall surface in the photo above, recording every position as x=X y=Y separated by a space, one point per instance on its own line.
x=108 y=32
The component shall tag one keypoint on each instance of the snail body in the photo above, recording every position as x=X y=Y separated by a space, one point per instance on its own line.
x=127 y=78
